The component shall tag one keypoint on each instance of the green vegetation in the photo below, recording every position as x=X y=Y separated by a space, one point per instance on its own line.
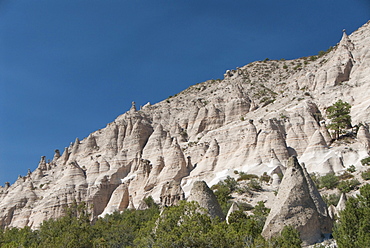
x=289 y=238
x=244 y=176
x=353 y=227
x=340 y=118
x=322 y=53
x=76 y=230
x=223 y=191
x=184 y=225
x=346 y=175
x=331 y=199
x=265 y=178
x=365 y=161
x=366 y=175
x=328 y=181
x=254 y=185
x=351 y=169
x=348 y=185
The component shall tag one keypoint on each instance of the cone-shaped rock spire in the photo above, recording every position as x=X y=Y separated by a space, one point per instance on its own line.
x=300 y=205
x=202 y=194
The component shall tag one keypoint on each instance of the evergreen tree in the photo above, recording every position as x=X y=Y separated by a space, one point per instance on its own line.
x=340 y=118
x=353 y=228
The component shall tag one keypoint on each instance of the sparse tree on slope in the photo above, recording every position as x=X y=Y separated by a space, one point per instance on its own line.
x=338 y=113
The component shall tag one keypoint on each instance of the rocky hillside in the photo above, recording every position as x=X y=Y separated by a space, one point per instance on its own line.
x=253 y=120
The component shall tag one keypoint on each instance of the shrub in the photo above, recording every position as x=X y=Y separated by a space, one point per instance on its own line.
x=223 y=191
x=265 y=178
x=351 y=168
x=254 y=185
x=331 y=199
x=289 y=237
x=366 y=175
x=348 y=185
x=328 y=181
x=346 y=175
x=365 y=161
x=244 y=176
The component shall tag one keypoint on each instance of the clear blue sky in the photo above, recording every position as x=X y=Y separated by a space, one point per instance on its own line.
x=69 y=67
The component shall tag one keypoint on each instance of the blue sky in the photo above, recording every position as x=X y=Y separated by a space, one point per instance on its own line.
x=67 y=68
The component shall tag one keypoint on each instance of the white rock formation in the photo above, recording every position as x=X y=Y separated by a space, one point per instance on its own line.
x=234 y=207
x=203 y=134
x=299 y=204
x=206 y=199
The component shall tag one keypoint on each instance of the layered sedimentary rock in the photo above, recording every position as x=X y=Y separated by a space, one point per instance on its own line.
x=250 y=121
x=298 y=204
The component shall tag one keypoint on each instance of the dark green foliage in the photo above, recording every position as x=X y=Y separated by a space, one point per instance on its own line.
x=348 y=185
x=299 y=65
x=260 y=213
x=331 y=199
x=346 y=175
x=338 y=113
x=185 y=225
x=289 y=238
x=75 y=230
x=365 y=161
x=351 y=169
x=353 y=228
x=223 y=191
x=328 y=181
x=322 y=53
x=366 y=175
x=15 y=237
x=265 y=178
x=245 y=176
x=254 y=185
x=72 y=230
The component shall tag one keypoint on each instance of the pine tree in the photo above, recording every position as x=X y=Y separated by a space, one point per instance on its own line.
x=353 y=228
x=338 y=113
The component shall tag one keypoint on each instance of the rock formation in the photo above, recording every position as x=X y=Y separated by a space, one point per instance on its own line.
x=234 y=207
x=206 y=199
x=341 y=203
x=253 y=120
x=299 y=204
x=171 y=193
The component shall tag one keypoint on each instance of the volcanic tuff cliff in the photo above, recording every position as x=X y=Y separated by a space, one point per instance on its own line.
x=251 y=121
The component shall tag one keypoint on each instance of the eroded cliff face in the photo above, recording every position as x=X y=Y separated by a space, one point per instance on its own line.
x=253 y=121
